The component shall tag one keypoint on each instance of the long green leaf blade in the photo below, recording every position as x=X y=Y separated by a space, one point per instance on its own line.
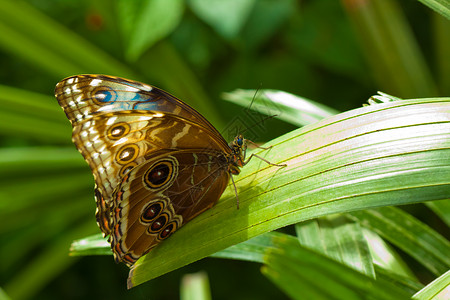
x=28 y=33
x=340 y=239
x=296 y=270
x=409 y=234
x=386 y=154
x=440 y=6
x=389 y=45
x=438 y=289
x=281 y=105
x=195 y=287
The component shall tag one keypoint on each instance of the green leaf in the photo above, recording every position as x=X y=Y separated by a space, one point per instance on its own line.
x=34 y=115
x=331 y=45
x=440 y=6
x=438 y=289
x=226 y=17
x=3 y=295
x=305 y=274
x=46 y=189
x=381 y=97
x=195 y=286
x=28 y=33
x=15 y=162
x=29 y=228
x=409 y=234
x=252 y=249
x=408 y=284
x=389 y=45
x=339 y=239
x=442 y=209
x=387 y=260
x=93 y=245
x=265 y=19
x=45 y=266
x=387 y=154
x=33 y=128
x=284 y=106
x=255 y=248
x=143 y=23
x=30 y=104
x=441 y=40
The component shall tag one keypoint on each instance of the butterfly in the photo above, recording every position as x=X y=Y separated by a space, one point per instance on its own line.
x=157 y=162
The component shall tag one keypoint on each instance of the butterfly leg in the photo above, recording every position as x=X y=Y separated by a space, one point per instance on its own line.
x=264 y=160
x=235 y=191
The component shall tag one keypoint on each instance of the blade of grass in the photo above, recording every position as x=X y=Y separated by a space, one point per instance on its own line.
x=92 y=245
x=408 y=284
x=45 y=265
x=251 y=250
x=39 y=190
x=440 y=6
x=147 y=22
x=386 y=259
x=284 y=106
x=295 y=269
x=441 y=40
x=409 y=234
x=34 y=128
x=28 y=33
x=3 y=295
x=195 y=286
x=226 y=17
x=390 y=48
x=15 y=162
x=442 y=209
x=34 y=231
x=30 y=103
x=340 y=239
x=438 y=289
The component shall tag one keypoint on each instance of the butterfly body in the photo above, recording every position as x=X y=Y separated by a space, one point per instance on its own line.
x=157 y=163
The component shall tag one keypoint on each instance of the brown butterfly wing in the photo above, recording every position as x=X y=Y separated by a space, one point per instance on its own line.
x=118 y=122
x=162 y=194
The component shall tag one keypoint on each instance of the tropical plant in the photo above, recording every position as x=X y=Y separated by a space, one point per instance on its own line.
x=346 y=171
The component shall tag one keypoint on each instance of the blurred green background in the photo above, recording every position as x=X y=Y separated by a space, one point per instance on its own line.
x=337 y=53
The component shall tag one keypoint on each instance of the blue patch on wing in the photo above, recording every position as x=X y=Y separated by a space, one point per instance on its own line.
x=105 y=96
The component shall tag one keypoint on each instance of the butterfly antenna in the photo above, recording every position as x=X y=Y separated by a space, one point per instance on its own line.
x=251 y=103
x=254 y=96
x=259 y=122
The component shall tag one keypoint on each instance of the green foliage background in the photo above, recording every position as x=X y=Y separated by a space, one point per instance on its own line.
x=337 y=53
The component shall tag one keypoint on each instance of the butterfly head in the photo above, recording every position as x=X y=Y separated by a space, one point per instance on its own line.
x=237 y=158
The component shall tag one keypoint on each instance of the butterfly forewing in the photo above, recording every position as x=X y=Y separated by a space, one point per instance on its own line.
x=83 y=96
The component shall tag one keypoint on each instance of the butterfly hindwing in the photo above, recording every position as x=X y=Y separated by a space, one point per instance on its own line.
x=160 y=195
